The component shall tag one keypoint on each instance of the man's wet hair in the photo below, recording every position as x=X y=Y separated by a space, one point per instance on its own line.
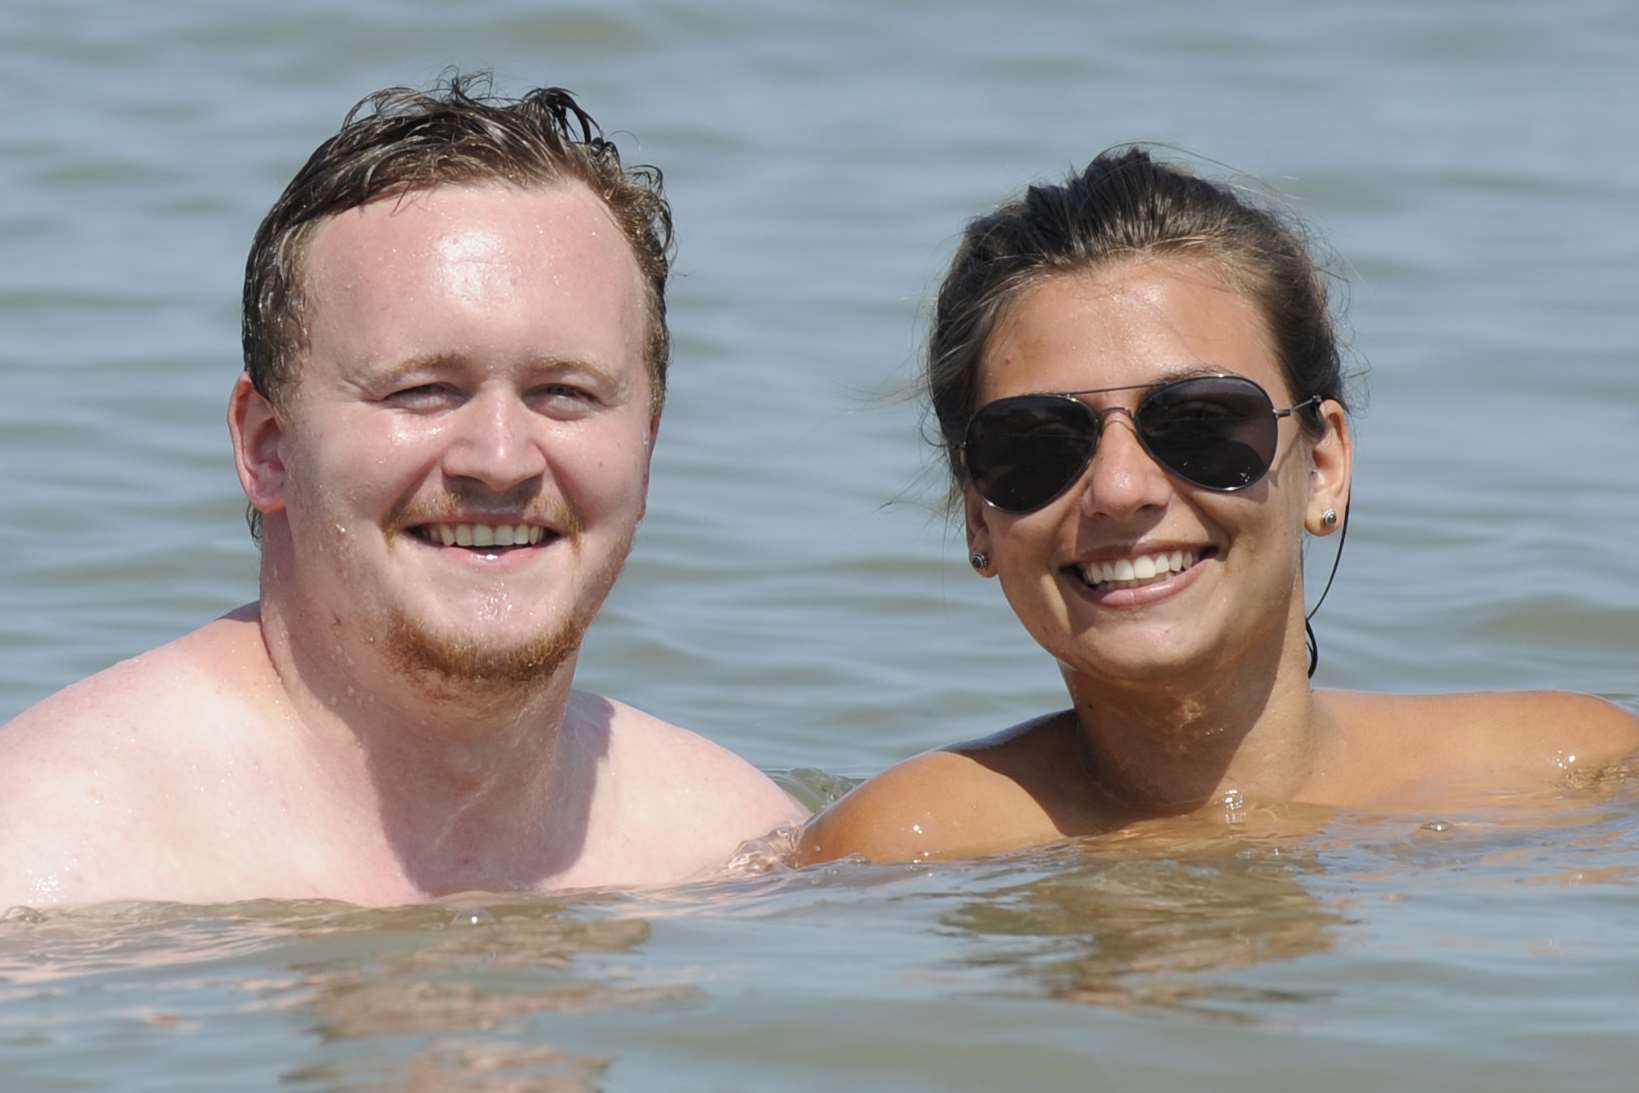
x=400 y=141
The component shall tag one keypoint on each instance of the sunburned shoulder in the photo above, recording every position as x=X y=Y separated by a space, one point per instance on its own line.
x=155 y=688
x=693 y=802
x=965 y=800
x=1483 y=741
x=102 y=756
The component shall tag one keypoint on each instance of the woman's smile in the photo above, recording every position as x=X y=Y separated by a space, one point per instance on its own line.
x=1130 y=536
x=1137 y=579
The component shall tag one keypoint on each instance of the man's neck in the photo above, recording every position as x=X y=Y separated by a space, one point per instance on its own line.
x=469 y=785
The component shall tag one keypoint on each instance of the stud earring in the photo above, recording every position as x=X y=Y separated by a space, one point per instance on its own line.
x=1328 y=519
x=979 y=560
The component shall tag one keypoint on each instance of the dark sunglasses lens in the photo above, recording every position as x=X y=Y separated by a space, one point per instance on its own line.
x=1215 y=431
x=1023 y=452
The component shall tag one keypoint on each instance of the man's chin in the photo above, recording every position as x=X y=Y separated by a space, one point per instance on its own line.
x=463 y=659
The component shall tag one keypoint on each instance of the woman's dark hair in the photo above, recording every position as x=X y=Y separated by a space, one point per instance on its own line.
x=1126 y=205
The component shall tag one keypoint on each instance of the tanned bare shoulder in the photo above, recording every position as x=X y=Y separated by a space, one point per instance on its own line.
x=1483 y=741
x=981 y=797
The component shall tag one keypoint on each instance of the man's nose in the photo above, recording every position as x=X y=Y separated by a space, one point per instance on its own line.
x=1123 y=479
x=495 y=441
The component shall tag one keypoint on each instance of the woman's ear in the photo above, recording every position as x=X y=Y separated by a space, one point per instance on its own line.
x=1332 y=472
x=257 y=434
x=977 y=513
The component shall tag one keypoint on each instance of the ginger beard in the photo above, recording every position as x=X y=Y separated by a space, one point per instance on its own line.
x=415 y=646
x=476 y=356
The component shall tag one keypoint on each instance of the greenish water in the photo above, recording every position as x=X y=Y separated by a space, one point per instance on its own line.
x=794 y=594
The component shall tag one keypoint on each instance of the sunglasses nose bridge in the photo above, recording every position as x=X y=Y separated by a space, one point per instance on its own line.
x=1101 y=422
x=1102 y=417
x=1121 y=477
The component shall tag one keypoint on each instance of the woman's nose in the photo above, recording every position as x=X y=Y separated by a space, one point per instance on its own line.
x=1122 y=479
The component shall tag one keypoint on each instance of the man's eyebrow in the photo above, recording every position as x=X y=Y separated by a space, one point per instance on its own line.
x=421 y=362
x=460 y=362
x=547 y=363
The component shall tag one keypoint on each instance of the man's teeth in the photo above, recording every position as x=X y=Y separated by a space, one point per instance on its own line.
x=484 y=535
x=1132 y=572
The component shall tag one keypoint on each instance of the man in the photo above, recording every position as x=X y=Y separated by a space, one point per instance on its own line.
x=455 y=359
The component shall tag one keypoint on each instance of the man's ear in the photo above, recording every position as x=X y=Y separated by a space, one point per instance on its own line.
x=978 y=532
x=257 y=435
x=648 y=461
x=1332 y=472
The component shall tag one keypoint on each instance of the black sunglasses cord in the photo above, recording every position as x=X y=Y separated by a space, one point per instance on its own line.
x=1309 y=631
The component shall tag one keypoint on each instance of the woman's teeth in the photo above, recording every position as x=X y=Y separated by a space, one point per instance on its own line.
x=482 y=535
x=1132 y=572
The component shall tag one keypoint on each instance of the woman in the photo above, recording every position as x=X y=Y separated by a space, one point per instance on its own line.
x=1138 y=389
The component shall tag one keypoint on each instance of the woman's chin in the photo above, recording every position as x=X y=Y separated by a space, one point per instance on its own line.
x=1133 y=658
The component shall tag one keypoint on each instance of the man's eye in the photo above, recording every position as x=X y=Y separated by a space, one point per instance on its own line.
x=563 y=395
x=424 y=396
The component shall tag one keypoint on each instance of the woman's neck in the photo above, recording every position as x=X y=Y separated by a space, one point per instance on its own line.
x=1246 y=736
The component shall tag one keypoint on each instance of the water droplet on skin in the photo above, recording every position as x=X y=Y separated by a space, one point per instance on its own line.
x=1234 y=807
x=472 y=916
x=1438 y=827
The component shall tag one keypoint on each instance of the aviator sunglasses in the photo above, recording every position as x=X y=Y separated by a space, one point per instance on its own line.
x=1215 y=431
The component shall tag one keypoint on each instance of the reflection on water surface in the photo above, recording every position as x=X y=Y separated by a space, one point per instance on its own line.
x=1465 y=162
x=1283 y=919
x=1149 y=932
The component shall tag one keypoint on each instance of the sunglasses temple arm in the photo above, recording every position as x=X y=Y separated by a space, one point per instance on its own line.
x=1308 y=631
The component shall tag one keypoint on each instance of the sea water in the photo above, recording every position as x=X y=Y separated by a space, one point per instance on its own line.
x=795 y=592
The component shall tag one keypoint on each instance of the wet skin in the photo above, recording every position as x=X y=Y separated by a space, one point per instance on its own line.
x=1148 y=326
x=477 y=359
x=1190 y=685
x=395 y=718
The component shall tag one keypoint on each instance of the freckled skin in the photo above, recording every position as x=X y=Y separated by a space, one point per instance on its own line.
x=1200 y=691
x=393 y=719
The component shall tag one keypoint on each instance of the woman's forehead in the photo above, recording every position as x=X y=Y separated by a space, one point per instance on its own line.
x=1129 y=324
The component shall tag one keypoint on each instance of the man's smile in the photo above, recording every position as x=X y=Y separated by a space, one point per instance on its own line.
x=482 y=535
